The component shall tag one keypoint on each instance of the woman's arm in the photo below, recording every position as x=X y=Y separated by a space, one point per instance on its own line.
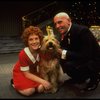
x=33 y=77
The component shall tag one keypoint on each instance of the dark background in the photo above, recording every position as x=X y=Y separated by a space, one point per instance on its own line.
x=12 y=11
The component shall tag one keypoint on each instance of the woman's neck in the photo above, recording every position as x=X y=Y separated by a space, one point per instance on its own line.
x=34 y=52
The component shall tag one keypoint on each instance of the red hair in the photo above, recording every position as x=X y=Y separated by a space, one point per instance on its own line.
x=31 y=30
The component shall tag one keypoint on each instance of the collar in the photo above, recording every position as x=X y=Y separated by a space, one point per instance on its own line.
x=29 y=54
x=68 y=29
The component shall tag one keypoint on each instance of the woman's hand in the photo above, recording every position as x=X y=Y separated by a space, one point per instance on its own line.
x=46 y=85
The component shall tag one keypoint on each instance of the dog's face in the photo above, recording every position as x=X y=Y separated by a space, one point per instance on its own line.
x=50 y=43
x=49 y=63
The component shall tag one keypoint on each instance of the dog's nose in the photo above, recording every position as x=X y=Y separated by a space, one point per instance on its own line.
x=50 y=43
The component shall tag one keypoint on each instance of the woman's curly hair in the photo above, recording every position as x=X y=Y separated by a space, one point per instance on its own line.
x=31 y=30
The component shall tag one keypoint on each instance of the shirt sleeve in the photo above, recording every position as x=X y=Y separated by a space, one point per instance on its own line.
x=63 y=56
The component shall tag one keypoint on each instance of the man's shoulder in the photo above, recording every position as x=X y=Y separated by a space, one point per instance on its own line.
x=79 y=26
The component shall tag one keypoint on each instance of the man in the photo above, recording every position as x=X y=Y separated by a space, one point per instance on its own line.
x=80 y=53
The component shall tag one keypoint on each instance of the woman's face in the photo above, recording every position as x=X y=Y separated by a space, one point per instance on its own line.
x=33 y=42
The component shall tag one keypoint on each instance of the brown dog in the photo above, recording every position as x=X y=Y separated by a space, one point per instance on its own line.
x=50 y=68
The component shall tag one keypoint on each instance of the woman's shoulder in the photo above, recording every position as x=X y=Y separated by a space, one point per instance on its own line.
x=22 y=52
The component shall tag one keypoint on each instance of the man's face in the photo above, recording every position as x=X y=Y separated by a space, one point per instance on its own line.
x=61 y=24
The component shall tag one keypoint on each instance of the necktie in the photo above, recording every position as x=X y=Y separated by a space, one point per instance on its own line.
x=62 y=36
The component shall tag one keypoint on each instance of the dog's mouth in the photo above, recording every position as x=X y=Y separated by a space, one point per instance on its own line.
x=50 y=46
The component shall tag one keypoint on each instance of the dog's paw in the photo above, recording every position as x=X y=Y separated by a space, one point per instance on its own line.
x=54 y=90
x=47 y=91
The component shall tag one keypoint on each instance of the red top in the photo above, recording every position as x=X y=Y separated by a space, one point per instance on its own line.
x=26 y=62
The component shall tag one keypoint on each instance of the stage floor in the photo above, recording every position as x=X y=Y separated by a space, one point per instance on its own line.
x=7 y=92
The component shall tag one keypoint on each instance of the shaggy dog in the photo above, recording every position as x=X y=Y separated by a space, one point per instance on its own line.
x=50 y=68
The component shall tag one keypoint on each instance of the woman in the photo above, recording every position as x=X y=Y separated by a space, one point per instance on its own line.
x=26 y=79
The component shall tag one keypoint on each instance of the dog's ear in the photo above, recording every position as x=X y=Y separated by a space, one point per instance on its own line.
x=49 y=30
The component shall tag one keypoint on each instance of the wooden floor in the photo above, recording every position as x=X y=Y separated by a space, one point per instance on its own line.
x=7 y=92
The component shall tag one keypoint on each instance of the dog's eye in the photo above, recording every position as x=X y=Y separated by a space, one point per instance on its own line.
x=53 y=39
x=46 y=40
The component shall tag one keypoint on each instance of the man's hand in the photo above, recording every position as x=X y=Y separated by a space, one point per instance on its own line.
x=60 y=51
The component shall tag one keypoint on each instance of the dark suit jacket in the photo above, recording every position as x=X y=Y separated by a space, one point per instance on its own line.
x=81 y=45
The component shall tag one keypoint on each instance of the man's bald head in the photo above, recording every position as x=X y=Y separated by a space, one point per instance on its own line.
x=62 y=14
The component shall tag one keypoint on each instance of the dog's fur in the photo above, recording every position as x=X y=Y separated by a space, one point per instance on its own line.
x=50 y=68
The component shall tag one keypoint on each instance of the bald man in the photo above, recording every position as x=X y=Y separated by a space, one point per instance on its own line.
x=80 y=52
